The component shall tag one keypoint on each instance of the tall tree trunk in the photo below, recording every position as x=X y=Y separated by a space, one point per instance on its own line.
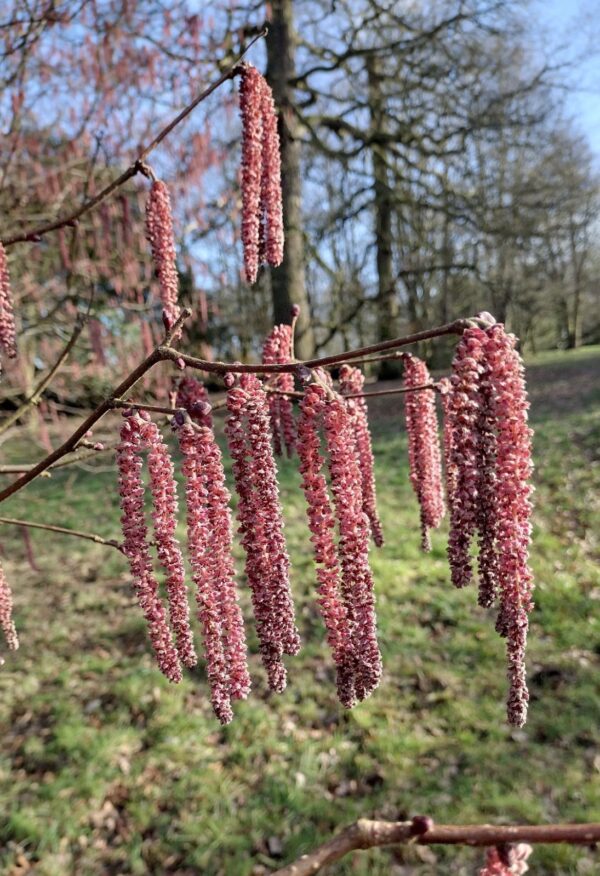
x=287 y=281
x=387 y=305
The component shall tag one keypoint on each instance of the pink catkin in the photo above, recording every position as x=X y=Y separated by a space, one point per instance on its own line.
x=277 y=349
x=487 y=518
x=445 y=390
x=357 y=578
x=193 y=397
x=159 y=231
x=509 y=409
x=271 y=197
x=423 y=446
x=352 y=381
x=209 y=546
x=136 y=548
x=264 y=473
x=262 y=216
x=8 y=334
x=463 y=415
x=261 y=526
x=164 y=500
x=6 y=613
x=251 y=92
x=321 y=522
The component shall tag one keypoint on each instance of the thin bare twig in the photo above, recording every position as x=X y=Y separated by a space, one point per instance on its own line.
x=121 y=404
x=397 y=390
x=36 y=395
x=366 y=834
x=89 y=536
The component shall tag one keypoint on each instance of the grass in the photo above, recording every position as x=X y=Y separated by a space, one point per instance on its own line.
x=106 y=768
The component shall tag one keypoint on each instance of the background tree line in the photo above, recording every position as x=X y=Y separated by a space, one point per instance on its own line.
x=430 y=170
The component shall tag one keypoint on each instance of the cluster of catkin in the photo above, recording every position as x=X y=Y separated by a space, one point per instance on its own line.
x=487 y=461
x=262 y=212
x=209 y=550
x=262 y=215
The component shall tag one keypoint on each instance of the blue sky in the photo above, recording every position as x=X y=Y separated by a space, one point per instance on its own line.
x=574 y=27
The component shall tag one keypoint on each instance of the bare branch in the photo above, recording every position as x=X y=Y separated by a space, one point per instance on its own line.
x=366 y=834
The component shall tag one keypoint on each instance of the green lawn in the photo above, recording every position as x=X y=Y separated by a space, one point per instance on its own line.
x=107 y=769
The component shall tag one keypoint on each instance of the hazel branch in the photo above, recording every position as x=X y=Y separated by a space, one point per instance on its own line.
x=366 y=834
x=138 y=165
x=164 y=352
x=452 y=328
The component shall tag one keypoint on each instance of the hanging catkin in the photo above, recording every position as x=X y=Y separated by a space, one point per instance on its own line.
x=6 y=613
x=423 y=446
x=159 y=231
x=137 y=435
x=352 y=381
x=321 y=521
x=8 y=335
x=262 y=217
x=353 y=524
x=209 y=549
x=261 y=525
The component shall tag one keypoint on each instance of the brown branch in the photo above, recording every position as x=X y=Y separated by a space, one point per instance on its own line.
x=366 y=834
x=89 y=536
x=71 y=443
x=452 y=328
x=164 y=352
x=137 y=166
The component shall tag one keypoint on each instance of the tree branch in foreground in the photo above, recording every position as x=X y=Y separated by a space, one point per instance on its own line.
x=366 y=834
x=165 y=352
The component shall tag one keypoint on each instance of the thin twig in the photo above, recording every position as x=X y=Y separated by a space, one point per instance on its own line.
x=398 y=390
x=366 y=834
x=396 y=354
x=139 y=406
x=137 y=166
x=89 y=536
x=36 y=395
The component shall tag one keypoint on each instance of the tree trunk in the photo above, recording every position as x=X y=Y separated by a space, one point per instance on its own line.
x=287 y=281
x=387 y=304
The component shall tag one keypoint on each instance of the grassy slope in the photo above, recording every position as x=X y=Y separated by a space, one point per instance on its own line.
x=105 y=768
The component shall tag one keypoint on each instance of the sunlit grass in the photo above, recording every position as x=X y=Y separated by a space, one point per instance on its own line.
x=106 y=768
